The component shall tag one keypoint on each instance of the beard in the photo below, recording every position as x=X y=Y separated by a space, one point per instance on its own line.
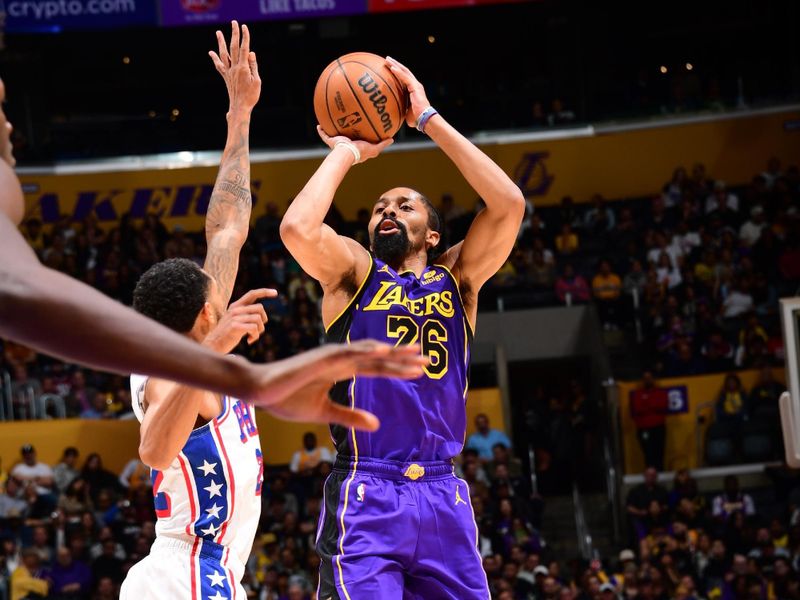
x=391 y=249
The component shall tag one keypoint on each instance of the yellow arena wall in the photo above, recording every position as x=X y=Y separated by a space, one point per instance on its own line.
x=117 y=441
x=683 y=432
x=618 y=164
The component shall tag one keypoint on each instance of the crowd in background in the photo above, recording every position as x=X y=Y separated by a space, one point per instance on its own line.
x=71 y=531
x=695 y=272
x=690 y=277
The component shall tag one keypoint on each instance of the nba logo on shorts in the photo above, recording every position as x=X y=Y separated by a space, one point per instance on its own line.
x=360 y=492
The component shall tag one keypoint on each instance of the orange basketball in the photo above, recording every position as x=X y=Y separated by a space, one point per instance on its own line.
x=359 y=97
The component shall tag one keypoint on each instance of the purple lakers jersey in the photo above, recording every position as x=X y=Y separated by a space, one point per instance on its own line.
x=422 y=419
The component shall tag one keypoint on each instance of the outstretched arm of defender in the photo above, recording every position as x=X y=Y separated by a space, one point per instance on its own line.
x=326 y=256
x=228 y=217
x=494 y=231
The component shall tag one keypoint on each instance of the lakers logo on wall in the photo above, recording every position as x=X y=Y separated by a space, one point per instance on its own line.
x=531 y=174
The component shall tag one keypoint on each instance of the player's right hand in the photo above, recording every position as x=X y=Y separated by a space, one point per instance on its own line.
x=367 y=149
x=301 y=391
x=323 y=366
x=245 y=317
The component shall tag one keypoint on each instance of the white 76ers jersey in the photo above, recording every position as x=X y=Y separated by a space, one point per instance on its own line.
x=212 y=490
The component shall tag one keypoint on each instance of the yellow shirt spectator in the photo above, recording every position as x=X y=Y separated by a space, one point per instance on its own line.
x=606 y=286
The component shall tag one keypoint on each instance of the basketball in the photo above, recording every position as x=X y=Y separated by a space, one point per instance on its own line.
x=359 y=97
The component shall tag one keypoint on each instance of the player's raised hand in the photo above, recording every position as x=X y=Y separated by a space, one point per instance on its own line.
x=416 y=92
x=369 y=358
x=312 y=403
x=238 y=67
x=298 y=391
x=245 y=317
x=366 y=149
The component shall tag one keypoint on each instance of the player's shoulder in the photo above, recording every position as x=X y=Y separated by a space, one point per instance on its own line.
x=138 y=384
x=352 y=278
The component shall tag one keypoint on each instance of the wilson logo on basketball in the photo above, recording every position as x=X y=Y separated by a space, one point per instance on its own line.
x=378 y=99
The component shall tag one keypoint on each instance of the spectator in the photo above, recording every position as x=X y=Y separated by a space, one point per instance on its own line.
x=502 y=457
x=542 y=273
x=684 y=362
x=668 y=275
x=731 y=406
x=649 y=410
x=64 y=472
x=571 y=287
x=750 y=231
x=135 y=474
x=567 y=240
x=599 y=219
x=308 y=458
x=27 y=580
x=772 y=174
x=106 y=589
x=662 y=246
x=635 y=279
x=660 y=219
x=642 y=496
x=75 y=500
x=717 y=353
x=739 y=301
x=97 y=478
x=99 y=408
x=108 y=564
x=721 y=198
x=765 y=394
x=484 y=438
x=11 y=505
x=69 y=578
x=607 y=289
x=674 y=189
x=30 y=470
x=732 y=501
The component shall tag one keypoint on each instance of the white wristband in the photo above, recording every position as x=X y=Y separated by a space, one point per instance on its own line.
x=352 y=147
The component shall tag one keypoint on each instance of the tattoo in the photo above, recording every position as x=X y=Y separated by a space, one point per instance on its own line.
x=228 y=216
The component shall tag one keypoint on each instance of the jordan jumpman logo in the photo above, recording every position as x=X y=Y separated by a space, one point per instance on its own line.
x=458 y=496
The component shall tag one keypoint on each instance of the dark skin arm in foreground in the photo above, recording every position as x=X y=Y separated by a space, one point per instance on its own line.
x=63 y=317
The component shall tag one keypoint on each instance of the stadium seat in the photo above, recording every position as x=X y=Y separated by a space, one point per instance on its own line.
x=720 y=445
x=756 y=439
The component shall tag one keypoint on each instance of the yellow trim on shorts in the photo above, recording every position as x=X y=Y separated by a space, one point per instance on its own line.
x=353 y=299
x=347 y=487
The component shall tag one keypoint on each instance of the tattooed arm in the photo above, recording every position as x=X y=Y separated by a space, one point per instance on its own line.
x=228 y=218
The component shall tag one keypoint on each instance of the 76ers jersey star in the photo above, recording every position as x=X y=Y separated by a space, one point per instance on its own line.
x=212 y=490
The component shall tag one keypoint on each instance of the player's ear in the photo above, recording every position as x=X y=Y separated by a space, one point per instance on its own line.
x=432 y=238
x=207 y=315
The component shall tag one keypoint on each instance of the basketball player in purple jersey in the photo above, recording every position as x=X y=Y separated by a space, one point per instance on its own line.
x=204 y=448
x=397 y=523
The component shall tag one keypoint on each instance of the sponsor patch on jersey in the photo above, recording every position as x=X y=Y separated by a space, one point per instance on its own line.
x=431 y=277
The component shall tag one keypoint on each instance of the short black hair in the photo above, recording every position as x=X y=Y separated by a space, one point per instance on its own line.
x=173 y=293
x=434 y=218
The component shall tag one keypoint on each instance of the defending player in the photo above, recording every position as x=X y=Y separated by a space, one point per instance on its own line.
x=204 y=448
x=397 y=523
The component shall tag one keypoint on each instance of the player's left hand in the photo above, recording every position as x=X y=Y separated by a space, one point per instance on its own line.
x=245 y=317
x=416 y=92
x=366 y=149
x=238 y=67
